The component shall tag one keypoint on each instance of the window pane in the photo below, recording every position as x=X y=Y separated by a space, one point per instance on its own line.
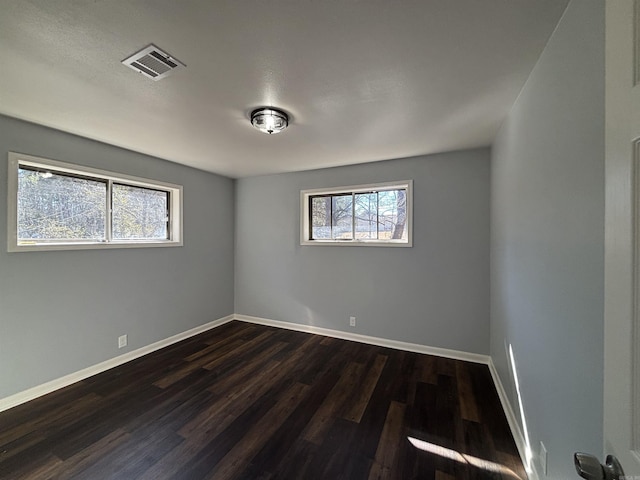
x=392 y=214
x=342 y=217
x=359 y=215
x=320 y=217
x=58 y=207
x=366 y=212
x=139 y=213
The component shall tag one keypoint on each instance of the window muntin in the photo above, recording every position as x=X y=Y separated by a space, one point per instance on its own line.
x=377 y=214
x=58 y=206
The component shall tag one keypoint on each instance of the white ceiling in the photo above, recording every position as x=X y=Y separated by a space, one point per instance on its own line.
x=363 y=80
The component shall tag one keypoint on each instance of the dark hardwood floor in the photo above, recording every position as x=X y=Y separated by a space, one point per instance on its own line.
x=244 y=401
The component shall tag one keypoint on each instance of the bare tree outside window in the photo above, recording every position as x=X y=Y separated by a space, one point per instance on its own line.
x=366 y=215
x=321 y=217
x=341 y=217
x=56 y=207
x=369 y=215
x=400 y=231
x=139 y=213
x=392 y=214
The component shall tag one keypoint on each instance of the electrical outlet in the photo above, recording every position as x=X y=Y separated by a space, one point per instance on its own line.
x=543 y=458
x=352 y=321
x=122 y=341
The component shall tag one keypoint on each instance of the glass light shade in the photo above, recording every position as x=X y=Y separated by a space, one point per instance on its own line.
x=269 y=120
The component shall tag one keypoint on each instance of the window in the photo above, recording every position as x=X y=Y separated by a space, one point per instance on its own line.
x=377 y=214
x=59 y=206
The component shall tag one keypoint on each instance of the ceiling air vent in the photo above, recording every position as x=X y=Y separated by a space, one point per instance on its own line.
x=153 y=63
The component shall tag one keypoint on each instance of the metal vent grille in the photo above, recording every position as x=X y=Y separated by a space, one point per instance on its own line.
x=153 y=63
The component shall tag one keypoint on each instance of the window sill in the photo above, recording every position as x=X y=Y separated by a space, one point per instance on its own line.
x=89 y=246
x=354 y=243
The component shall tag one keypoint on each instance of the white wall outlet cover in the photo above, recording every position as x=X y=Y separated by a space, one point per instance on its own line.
x=122 y=341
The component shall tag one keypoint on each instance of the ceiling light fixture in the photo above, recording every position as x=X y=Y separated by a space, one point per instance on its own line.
x=269 y=120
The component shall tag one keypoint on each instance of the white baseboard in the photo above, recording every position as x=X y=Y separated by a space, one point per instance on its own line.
x=514 y=425
x=382 y=342
x=39 y=390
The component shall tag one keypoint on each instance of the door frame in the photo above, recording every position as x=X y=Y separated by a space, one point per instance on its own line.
x=622 y=102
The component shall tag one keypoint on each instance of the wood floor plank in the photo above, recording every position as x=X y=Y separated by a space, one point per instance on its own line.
x=134 y=456
x=89 y=456
x=322 y=360
x=512 y=464
x=216 y=416
x=297 y=463
x=259 y=434
x=188 y=367
x=341 y=463
x=231 y=330
x=445 y=367
x=254 y=366
x=246 y=401
x=288 y=437
x=215 y=343
x=172 y=463
x=359 y=403
x=214 y=448
x=244 y=347
x=468 y=406
x=444 y=476
x=39 y=423
x=428 y=369
x=44 y=470
x=446 y=412
x=373 y=419
x=70 y=438
x=334 y=402
x=386 y=454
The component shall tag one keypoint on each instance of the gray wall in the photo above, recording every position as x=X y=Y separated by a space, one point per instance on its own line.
x=435 y=293
x=547 y=244
x=61 y=311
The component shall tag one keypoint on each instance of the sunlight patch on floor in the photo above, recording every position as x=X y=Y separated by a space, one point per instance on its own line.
x=462 y=457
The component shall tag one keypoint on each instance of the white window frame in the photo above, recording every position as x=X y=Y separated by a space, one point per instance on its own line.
x=351 y=189
x=16 y=160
